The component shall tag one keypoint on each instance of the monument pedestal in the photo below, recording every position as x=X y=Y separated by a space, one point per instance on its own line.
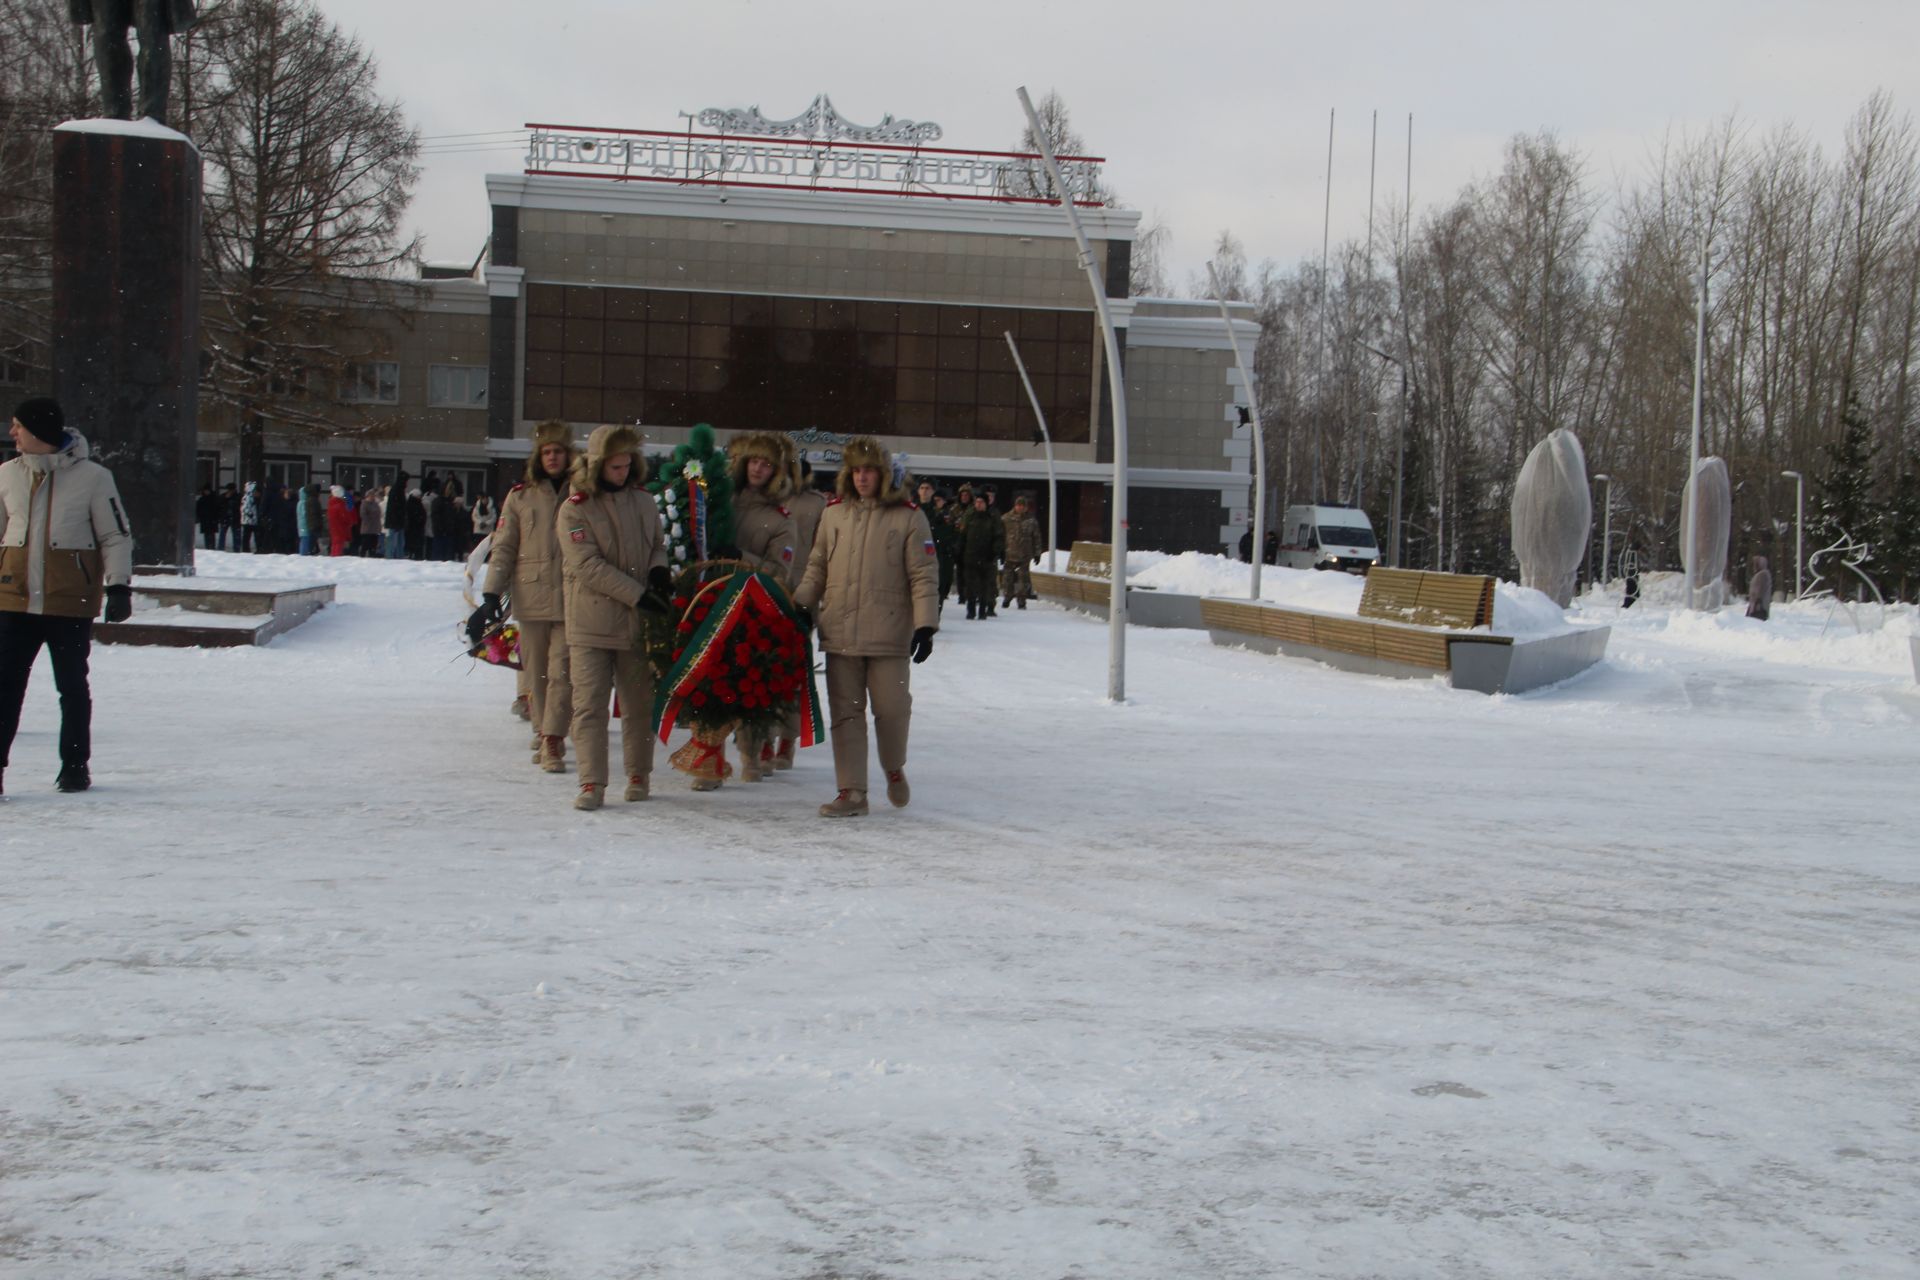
x=126 y=317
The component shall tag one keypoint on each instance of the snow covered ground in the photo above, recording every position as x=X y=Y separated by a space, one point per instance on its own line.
x=1273 y=971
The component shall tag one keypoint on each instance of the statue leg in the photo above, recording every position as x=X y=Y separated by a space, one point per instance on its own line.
x=114 y=59
x=156 y=58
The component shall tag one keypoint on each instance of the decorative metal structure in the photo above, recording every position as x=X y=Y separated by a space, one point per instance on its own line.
x=820 y=122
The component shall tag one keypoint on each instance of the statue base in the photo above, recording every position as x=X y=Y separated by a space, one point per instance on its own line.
x=126 y=317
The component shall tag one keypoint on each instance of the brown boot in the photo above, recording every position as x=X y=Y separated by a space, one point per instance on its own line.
x=553 y=755
x=521 y=708
x=783 y=758
x=848 y=804
x=590 y=797
x=898 y=792
x=539 y=747
x=637 y=788
x=750 y=770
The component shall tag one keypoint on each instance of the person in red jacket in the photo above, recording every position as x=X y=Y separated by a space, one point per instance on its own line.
x=340 y=522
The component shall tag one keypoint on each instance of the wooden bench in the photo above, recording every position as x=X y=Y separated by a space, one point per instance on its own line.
x=1456 y=600
x=1087 y=581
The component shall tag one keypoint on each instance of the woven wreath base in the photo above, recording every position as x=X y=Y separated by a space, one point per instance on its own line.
x=705 y=756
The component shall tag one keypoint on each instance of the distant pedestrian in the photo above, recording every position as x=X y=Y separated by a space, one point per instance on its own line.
x=250 y=517
x=1760 y=590
x=367 y=543
x=394 y=517
x=341 y=521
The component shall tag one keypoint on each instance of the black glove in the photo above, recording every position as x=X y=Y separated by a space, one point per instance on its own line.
x=804 y=616
x=728 y=552
x=658 y=597
x=119 y=603
x=483 y=618
x=922 y=646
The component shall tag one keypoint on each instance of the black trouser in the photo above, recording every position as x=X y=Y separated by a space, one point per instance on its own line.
x=111 y=18
x=67 y=641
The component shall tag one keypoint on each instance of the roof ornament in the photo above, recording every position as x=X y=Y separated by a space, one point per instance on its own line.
x=820 y=122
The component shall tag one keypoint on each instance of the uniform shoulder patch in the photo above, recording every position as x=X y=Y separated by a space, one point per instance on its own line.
x=785 y=512
x=576 y=497
x=835 y=500
x=578 y=535
x=517 y=488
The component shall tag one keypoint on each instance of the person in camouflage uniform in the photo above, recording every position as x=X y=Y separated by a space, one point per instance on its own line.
x=945 y=538
x=1023 y=551
x=983 y=541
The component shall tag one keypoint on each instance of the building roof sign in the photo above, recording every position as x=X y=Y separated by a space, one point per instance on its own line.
x=820 y=122
x=817 y=150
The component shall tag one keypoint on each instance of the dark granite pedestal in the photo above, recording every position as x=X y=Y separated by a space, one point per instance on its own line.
x=126 y=317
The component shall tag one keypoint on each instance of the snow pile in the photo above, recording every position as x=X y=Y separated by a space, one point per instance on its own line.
x=1521 y=611
x=1807 y=633
x=1195 y=573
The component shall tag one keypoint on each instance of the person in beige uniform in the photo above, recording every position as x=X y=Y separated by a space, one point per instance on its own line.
x=524 y=563
x=874 y=579
x=763 y=534
x=616 y=565
x=65 y=548
x=806 y=504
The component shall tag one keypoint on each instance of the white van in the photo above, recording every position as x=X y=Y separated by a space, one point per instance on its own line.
x=1328 y=538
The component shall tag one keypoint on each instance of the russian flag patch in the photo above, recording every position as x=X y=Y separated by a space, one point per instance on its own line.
x=928 y=545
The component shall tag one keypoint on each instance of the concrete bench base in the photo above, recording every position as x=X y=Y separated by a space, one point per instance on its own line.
x=1145 y=607
x=1525 y=664
x=1913 y=642
x=238 y=612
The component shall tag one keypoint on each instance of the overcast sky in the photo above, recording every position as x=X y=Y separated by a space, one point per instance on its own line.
x=1212 y=115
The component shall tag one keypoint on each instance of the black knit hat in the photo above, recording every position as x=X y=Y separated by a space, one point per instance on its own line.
x=41 y=415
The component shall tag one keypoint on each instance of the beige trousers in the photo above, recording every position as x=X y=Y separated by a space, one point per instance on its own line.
x=597 y=674
x=851 y=683
x=545 y=662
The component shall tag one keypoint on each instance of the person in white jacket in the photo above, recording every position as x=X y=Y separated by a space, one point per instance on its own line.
x=66 y=547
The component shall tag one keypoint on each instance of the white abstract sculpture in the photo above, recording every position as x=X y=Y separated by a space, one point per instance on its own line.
x=1552 y=516
x=1706 y=559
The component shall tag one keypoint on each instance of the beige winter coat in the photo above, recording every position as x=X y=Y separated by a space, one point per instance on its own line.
x=610 y=542
x=872 y=579
x=805 y=506
x=524 y=557
x=67 y=537
x=764 y=532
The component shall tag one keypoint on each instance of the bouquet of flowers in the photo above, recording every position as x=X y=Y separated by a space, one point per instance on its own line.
x=500 y=646
x=740 y=660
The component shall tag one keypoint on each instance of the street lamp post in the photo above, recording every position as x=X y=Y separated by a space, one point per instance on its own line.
x=1117 y=387
x=1259 y=439
x=1606 y=525
x=1799 y=521
x=1399 y=437
x=1053 y=488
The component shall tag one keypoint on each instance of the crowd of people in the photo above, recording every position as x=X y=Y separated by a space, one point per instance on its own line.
x=579 y=560
x=985 y=554
x=428 y=520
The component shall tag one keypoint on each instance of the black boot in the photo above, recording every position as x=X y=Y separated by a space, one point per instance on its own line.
x=73 y=777
x=970 y=613
x=1023 y=602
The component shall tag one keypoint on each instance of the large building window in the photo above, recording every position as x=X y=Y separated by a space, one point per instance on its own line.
x=746 y=361
x=456 y=386
x=13 y=367
x=372 y=382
